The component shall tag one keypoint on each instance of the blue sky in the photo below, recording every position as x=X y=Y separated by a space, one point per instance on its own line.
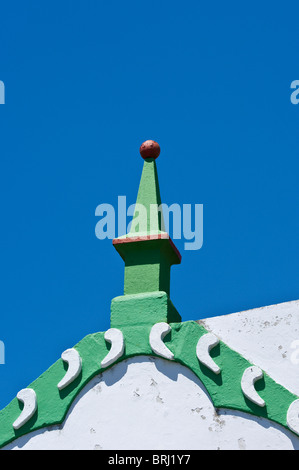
x=86 y=83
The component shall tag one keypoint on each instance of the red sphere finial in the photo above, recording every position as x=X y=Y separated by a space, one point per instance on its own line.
x=149 y=149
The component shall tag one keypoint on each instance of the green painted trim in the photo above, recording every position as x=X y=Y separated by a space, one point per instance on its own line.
x=224 y=389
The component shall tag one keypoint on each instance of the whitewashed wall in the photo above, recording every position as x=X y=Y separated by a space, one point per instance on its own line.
x=267 y=337
x=151 y=403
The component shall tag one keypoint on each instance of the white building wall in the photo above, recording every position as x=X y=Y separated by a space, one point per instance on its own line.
x=267 y=337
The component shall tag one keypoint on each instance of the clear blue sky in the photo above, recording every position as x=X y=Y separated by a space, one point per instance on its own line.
x=86 y=83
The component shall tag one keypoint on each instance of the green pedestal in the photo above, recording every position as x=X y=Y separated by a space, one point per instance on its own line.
x=142 y=309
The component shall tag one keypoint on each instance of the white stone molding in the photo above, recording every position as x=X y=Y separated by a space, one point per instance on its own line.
x=203 y=348
x=116 y=338
x=250 y=376
x=28 y=397
x=293 y=416
x=72 y=357
x=158 y=332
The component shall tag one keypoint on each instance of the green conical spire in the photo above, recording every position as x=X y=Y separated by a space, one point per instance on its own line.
x=148 y=219
x=147 y=249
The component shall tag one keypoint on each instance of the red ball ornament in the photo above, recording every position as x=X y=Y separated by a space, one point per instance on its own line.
x=149 y=149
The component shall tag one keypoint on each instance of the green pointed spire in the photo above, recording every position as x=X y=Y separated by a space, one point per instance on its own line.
x=147 y=249
x=148 y=219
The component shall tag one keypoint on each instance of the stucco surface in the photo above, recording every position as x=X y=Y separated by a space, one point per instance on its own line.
x=267 y=337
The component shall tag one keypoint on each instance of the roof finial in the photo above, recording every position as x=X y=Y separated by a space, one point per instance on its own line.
x=148 y=253
x=149 y=149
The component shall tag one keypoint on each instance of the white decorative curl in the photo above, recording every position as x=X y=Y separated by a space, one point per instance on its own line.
x=28 y=397
x=72 y=357
x=115 y=337
x=250 y=376
x=204 y=345
x=293 y=416
x=158 y=331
